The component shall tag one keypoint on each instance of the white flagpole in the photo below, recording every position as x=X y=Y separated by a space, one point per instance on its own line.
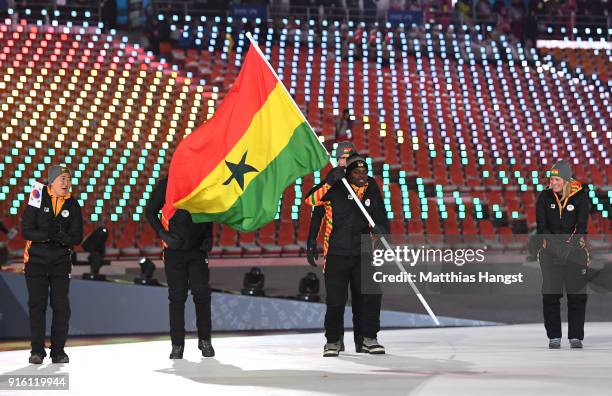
x=415 y=289
x=346 y=184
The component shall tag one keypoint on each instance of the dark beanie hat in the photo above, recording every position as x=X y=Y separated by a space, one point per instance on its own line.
x=561 y=169
x=344 y=148
x=355 y=161
x=56 y=171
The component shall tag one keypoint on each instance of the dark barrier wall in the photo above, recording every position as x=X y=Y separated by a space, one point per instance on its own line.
x=109 y=308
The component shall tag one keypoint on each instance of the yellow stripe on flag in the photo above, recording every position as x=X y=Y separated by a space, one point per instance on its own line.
x=267 y=135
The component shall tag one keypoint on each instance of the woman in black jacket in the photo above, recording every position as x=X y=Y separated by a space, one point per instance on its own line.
x=51 y=225
x=562 y=213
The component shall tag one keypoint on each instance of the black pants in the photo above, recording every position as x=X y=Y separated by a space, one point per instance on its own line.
x=44 y=280
x=340 y=272
x=187 y=270
x=557 y=278
x=356 y=303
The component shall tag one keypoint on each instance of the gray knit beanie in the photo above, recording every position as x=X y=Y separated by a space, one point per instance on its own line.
x=562 y=169
x=344 y=148
x=56 y=171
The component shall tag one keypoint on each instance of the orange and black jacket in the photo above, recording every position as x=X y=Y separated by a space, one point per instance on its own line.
x=344 y=222
x=55 y=215
x=563 y=224
x=569 y=216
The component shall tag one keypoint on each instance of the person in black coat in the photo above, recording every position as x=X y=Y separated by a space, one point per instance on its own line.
x=343 y=151
x=51 y=225
x=562 y=213
x=186 y=247
x=343 y=251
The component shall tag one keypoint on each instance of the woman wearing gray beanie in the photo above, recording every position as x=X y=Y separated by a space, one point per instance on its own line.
x=51 y=225
x=562 y=213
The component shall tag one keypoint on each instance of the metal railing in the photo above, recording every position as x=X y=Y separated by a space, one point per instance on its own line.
x=549 y=26
x=50 y=10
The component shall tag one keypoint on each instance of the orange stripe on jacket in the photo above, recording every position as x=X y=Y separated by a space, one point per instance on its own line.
x=166 y=224
x=315 y=199
x=26 y=252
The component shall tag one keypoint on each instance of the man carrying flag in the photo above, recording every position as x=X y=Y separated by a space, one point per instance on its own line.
x=343 y=253
x=322 y=214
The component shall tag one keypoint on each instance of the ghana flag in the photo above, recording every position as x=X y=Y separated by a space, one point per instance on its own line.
x=234 y=167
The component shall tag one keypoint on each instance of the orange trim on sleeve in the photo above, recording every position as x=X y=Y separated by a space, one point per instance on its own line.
x=26 y=252
x=166 y=225
x=315 y=199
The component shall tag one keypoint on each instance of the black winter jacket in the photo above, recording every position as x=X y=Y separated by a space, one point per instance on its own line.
x=195 y=236
x=348 y=223
x=39 y=226
x=562 y=225
x=556 y=217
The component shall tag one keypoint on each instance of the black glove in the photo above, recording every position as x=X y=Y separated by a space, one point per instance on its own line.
x=335 y=175
x=312 y=253
x=379 y=230
x=207 y=244
x=173 y=241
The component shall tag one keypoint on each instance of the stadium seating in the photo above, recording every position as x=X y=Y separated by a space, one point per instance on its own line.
x=459 y=131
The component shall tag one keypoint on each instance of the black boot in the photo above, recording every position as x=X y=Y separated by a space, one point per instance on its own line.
x=36 y=358
x=206 y=347
x=359 y=344
x=177 y=351
x=60 y=357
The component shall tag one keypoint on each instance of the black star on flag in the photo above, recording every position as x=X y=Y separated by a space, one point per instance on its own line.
x=238 y=171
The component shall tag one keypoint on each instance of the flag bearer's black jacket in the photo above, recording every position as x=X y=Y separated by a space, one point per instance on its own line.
x=345 y=224
x=194 y=236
